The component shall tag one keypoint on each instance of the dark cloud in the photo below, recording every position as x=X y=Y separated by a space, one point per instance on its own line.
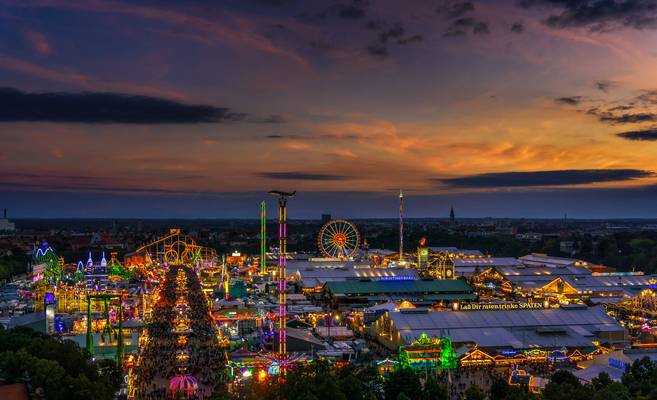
x=604 y=86
x=624 y=118
x=327 y=136
x=569 y=100
x=99 y=188
x=411 y=39
x=322 y=46
x=271 y=119
x=374 y=25
x=648 y=135
x=380 y=46
x=301 y=176
x=350 y=11
x=598 y=15
x=544 y=178
x=480 y=28
x=517 y=27
x=455 y=9
x=275 y=2
x=457 y=12
x=637 y=109
x=647 y=97
x=620 y=108
x=105 y=108
x=354 y=11
x=378 y=49
x=462 y=26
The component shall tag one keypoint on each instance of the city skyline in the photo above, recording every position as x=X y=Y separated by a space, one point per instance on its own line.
x=537 y=108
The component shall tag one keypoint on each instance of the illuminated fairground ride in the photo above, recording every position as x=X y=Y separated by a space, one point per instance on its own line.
x=432 y=264
x=639 y=313
x=174 y=248
x=429 y=353
x=338 y=238
x=48 y=266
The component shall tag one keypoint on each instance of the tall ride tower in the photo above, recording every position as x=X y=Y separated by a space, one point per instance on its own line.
x=263 y=237
x=401 y=225
x=282 y=275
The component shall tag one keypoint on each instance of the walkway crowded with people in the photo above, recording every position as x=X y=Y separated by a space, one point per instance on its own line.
x=180 y=357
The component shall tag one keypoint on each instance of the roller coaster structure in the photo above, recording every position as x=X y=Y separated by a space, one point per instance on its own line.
x=174 y=248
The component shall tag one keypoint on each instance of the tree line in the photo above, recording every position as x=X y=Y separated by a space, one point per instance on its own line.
x=321 y=381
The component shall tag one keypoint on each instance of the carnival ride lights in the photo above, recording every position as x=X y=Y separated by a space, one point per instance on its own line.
x=245 y=368
x=107 y=329
x=401 y=226
x=174 y=248
x=183 y=385
x=338 y=238
x=182 y=356
x=282 y=275
x=429 y=353
x=45 y=255
x=263 y=237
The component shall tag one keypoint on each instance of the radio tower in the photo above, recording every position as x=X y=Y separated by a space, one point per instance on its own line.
x=263 y=237
x=282 y=275
x=401 y=226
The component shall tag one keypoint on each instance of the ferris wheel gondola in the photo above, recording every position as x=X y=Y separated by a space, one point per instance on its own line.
x=338 y=238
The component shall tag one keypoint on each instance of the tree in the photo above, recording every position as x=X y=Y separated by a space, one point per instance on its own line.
x=499 y=389
x=60 y=368
x=566 y=386
x=434 y=390
x=474 y=393
x=613 y=391
x=403 y=380
x=641 y=378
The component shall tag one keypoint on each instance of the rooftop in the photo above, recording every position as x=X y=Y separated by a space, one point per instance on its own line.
x=401 y=286
x=574 y=327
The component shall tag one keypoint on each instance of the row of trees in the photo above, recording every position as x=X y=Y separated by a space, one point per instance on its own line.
x=319 y=381
x=12 y=264
x=58 y=369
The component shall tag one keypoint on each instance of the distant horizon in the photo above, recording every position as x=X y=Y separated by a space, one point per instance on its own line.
x=598 y=204
x=273 y=219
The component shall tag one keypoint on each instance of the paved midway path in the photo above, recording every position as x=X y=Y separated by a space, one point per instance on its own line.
x=181 y=340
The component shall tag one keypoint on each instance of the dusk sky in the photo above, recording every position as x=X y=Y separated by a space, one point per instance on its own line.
x=530 y=108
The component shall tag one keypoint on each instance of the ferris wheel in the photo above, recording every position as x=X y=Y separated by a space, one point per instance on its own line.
x=338 y=238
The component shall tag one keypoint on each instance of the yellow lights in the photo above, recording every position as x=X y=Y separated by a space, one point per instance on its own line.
x=262 y=375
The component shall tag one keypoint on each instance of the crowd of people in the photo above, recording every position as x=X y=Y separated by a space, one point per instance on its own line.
x=181 y=341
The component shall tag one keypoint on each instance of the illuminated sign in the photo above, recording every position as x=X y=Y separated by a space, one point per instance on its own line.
x=39 y=269
x=395 y=278
x=424 y=254
x=49 y=306
x=617 y=364
x=501 y=306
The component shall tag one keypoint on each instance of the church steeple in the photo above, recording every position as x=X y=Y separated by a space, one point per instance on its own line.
x=452 y=217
